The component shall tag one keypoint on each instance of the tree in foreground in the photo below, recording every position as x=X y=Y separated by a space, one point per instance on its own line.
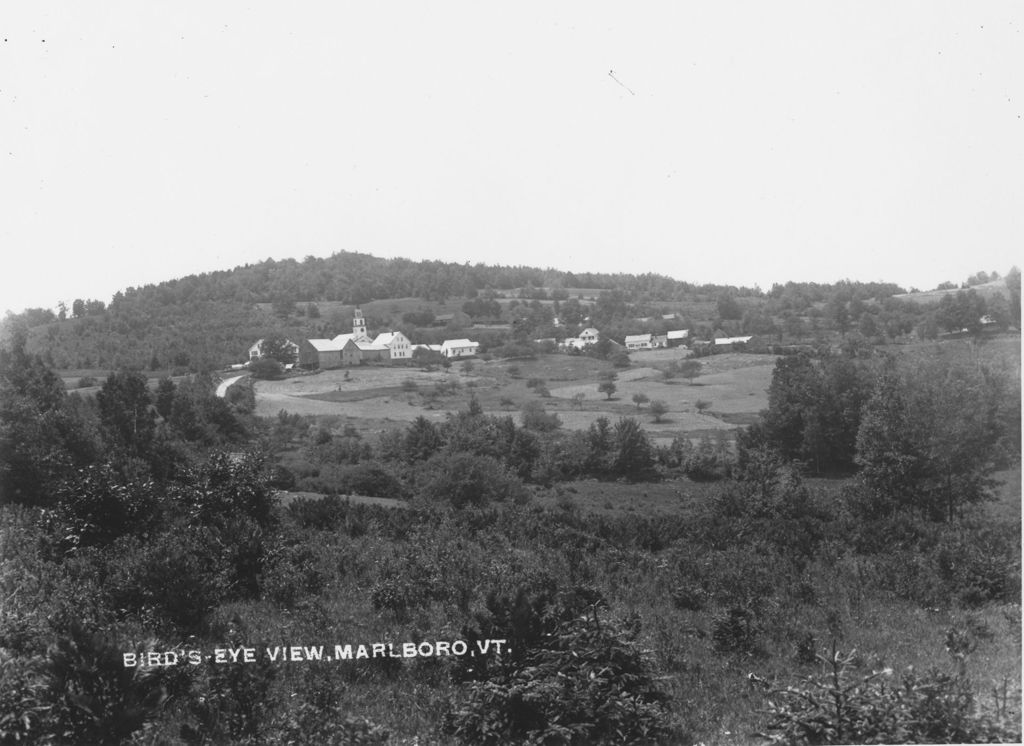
x=124 y=404
x=927 y=438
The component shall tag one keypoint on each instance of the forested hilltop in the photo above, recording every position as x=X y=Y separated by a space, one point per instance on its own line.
x=206 y=321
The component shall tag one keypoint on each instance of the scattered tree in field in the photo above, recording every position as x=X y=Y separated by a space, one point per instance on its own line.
x=607 y=388
x=467 y=367
x=658 y=409
x=577 y=400
x=702 y=405
x=507 y=403
x=535 y=383
x=620 y=359
x=640 y=399
x=690 y=369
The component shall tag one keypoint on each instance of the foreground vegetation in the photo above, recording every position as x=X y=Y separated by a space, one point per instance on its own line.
x=879 y=604
x=843 y=569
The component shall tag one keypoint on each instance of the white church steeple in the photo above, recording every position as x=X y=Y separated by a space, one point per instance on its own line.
x=359 y=326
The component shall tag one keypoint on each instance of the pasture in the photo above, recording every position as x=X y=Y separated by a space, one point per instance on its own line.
x=734 y=386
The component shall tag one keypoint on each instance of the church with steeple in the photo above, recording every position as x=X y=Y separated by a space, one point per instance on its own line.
x=355 y=348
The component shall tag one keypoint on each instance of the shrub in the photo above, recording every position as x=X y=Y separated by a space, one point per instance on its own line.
x=91 y=696
x=266 y=368
x=736 y=631
x=177 y=575
x=22 y=709
x=291 y=575
x=571 y=678
x=834 y=707
x=328 y=513
x=465 y=479
x=235 y=706
x=97 y=505
x=535 y=417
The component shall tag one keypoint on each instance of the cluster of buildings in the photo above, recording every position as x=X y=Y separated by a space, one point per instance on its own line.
x=357 y=348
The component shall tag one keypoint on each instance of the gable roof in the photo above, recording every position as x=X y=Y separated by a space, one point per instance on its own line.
x=731 y=340
x=325 y=345
x=638 y=338
x=679 y=334
x=459 y=343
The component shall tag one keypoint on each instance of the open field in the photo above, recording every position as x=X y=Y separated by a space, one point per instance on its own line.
x=986 y=290
x=735 y=385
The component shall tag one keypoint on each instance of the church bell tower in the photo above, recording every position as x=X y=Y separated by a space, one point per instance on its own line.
x=358 y=325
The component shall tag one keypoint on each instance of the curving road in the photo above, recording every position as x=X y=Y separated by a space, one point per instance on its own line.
x=222 y=389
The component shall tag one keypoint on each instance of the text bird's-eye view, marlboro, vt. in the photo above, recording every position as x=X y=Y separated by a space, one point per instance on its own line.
x=552 y=375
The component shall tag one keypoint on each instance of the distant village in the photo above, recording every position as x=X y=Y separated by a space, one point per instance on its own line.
x=358 y=348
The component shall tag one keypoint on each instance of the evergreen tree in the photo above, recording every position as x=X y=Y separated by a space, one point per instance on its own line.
x=633 y=454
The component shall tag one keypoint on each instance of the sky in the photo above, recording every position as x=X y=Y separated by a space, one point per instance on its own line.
x=743 y=143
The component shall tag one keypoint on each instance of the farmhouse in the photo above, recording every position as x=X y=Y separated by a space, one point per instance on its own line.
x=398 y=345
x=589 y=336
x=639 y=342
x=459 y=348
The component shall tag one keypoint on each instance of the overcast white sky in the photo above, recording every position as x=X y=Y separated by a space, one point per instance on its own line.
x=738 y=142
